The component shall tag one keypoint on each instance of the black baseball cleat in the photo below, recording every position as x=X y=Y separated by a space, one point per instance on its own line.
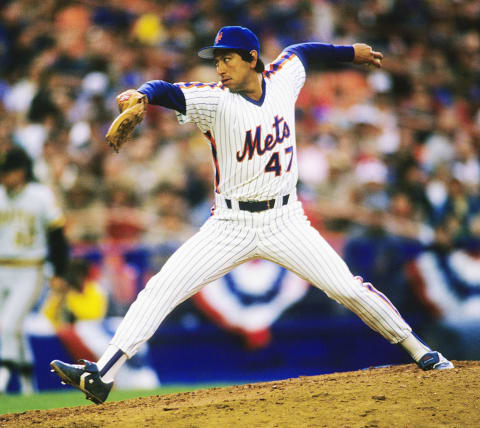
x=85 y=377
x=434 y=361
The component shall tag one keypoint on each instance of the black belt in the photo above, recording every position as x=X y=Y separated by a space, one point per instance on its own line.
x=256 y=206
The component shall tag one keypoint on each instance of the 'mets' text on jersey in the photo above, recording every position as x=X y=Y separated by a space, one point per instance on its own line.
x=253 y=142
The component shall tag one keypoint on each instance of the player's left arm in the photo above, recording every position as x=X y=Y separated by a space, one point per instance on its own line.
x=58 y=254
x=53 y=222
x=313 y=54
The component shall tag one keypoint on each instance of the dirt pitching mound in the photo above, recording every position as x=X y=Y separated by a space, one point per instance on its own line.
x=397 y=396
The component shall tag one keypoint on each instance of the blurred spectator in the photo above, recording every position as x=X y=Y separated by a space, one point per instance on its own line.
x=169 y=222
x=446 y=280
x=83 y=204
x=125 y=220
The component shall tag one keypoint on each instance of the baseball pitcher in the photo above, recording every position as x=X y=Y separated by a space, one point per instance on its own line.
x=248 y=119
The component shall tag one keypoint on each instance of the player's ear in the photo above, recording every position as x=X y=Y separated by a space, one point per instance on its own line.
x=253 y=62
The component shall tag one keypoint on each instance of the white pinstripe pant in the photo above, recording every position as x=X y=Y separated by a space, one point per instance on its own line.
x=231 y=237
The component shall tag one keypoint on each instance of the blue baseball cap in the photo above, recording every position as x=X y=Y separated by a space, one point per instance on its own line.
x=233 y=37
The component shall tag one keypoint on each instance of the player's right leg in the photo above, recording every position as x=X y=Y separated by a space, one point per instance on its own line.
x=216 y=249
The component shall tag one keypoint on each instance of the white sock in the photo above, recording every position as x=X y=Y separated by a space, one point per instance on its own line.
x=110 y=363
x=4 y=378
x=26 y=384
x=414 y=347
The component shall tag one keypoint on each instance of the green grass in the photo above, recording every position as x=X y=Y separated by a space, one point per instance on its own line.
x=15 y=403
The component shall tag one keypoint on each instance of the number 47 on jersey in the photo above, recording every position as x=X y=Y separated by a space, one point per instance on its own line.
x=274 y=165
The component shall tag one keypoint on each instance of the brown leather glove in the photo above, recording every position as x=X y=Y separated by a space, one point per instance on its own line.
x=132 y=105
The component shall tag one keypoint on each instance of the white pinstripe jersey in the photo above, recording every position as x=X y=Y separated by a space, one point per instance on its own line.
x=24 y=221
x=253 y=143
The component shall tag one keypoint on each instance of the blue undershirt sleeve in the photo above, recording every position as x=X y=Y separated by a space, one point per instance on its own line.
x=164 y=94
x=314 y=54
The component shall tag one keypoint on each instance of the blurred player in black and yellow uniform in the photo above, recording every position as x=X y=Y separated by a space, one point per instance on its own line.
x=31 y=233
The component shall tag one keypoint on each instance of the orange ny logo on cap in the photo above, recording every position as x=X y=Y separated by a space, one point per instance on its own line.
x=219 y=37
x=124 y=97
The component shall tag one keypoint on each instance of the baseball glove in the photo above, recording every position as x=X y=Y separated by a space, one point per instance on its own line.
x=132 y=105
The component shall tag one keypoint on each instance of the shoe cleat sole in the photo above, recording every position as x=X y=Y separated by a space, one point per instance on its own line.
x=66 y=380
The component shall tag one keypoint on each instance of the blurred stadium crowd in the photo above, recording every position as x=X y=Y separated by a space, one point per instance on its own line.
x=390 y=152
